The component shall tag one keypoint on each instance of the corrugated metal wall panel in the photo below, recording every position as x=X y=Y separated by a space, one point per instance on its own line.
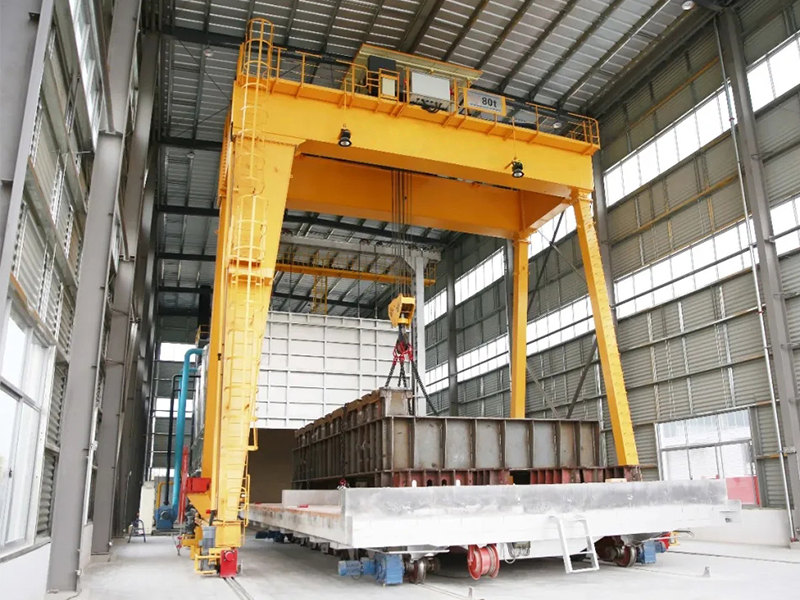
x=646 y=444
x=698 y=309
x=625 y=257
x=774 y=484
x=738 y=293
x=614 y=151
x=47 y=493
x=765 y=38
x=656 y=242
x=720 y=161
x=644 y=130
x=613 y=124
x=678 y=105
x=689 y=225
x=750 y=382
x=682 y=185
x=779 y=127
x=623 y=220
x=783 y=176
x=726 y=205
x=710 y=392
x=711 y=80
x=790 y=274
x=751 y=13
x=30 y=258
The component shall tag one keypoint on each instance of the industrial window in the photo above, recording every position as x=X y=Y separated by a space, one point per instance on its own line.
x=487 y=357
x=24 y=377
x=770 y=77
x=480 y=277
x=86 y=40
x=542 y=237
x=711 y=447
x=557 y=327
x=437 y=378
x=435 y=307
x=776 y=73
x=703 y=263
x=698 y=127
x=174 y=352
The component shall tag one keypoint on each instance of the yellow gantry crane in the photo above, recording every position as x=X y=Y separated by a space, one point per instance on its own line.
x=290 y=144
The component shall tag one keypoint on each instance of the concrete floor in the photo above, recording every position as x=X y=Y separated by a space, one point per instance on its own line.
x=289 y=572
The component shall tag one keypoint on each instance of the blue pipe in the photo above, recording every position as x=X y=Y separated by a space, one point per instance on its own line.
x=180 y=426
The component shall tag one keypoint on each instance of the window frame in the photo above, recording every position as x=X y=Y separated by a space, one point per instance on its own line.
x=41 y=408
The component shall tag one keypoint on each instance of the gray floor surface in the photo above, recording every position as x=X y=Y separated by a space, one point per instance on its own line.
x=692 y=570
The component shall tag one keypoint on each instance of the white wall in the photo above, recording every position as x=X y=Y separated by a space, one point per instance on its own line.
x=313 y=364
x=760 y=526
x=25 y=577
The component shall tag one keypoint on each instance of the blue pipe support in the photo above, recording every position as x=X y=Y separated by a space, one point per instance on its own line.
x=180 y=426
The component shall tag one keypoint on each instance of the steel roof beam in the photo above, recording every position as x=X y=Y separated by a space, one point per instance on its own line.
x=169 y=311
x=467 y=28
x=413 y=37
x=355 y=228
x=196 y=211
x=648 y=61
x=189 y=211
x=629 y=35
x=576 y=45
x=521 y=12
x=186 y=256
x=536 y=45
x=354 y=247
x=190 y=144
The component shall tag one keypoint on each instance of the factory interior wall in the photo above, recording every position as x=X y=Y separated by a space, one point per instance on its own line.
x=271 y=465
x=760 y=526
x=24 y=577
x=686 y=355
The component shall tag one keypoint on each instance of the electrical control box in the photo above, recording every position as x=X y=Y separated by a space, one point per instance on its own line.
x=429 y=91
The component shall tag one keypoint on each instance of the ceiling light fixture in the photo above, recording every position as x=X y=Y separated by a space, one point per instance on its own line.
x=190 y=155
x=208 y=52
x=344 y=138
x=688 y=5
x=516 y=169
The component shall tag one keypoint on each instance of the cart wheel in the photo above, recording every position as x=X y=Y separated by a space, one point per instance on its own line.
x=627 y=557
x=494 y=561
x=475 y=562
x=418 y=571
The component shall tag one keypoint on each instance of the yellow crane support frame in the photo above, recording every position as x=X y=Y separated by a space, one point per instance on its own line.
x=281 y=150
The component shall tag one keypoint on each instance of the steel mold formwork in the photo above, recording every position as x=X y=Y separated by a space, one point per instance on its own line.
x=376 y=442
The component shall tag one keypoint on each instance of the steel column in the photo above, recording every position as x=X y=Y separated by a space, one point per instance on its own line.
x=419 y=329
x=23 y=41
x=619 y=411
x=452 y=333
x=601 y=212
x=136 y=393
x=123 y=328
x=769 y=265
x=519 y=327
x=73 y=478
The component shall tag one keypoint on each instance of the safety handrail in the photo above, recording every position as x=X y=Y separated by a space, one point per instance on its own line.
x=259 y=59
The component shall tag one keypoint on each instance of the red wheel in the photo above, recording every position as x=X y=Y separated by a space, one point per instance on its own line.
x=474 y=562
x=626 y=557
x=494 y=560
